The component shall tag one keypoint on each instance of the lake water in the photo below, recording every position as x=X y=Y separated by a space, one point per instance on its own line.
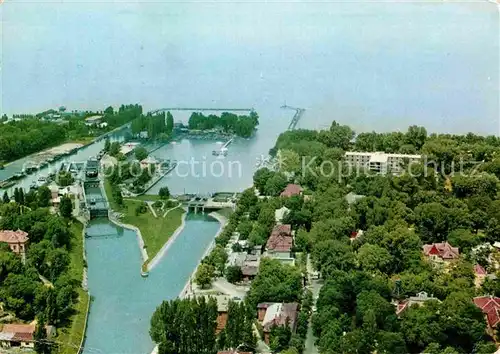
x=375 y=65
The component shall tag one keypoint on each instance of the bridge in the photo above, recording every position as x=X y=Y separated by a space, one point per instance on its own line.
x=201 y=109
x=201 y=203
x=298 y=114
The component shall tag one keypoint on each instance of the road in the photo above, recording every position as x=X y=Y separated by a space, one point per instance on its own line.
x=315 y=286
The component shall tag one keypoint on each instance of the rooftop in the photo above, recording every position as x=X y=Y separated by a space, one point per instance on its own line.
x=491 y=307
x=443 y=250
x=281 y=239
x=15 y=237
x=291 y=190
x=280 y=314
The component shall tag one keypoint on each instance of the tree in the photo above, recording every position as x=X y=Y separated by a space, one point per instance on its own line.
x=42 y=344
x=164 y=193
x=247 y=199
x=169 y=123
x=6 y=198
x=373 y=258
x=44 y=195
x=331 y=255
x=114 y=148
x=260 y=178
x=416 y=136
x=234 y=274
x=141 y=153
x=464 y=239
x=185 y=326
x=65 y=179
x=275 y=282
x=275 y=185
x=66 y=207
x=107 y=145
x=204 y=275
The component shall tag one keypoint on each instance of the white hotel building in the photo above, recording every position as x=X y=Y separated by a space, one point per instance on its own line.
x=380 y=161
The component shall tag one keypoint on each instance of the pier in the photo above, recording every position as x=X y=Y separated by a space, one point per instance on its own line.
x=202 y=109
x=223 y=150
x=169 y=169
x=298 y=114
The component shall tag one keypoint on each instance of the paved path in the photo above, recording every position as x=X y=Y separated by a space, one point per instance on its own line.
x=169 y=210
x=315 y=287
x=226 y=287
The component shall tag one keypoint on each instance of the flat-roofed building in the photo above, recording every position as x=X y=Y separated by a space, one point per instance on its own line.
x=380 y=162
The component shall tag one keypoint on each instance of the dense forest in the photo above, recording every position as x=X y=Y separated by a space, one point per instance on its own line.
x=22 y=291
x=30 y=135
x=159 y=126
x=451 y=196
x=241 y=125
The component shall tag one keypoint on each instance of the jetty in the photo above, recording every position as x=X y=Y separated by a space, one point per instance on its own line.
x=298 y=114
x=223 y=150
x=201 y=109
x=169 y=169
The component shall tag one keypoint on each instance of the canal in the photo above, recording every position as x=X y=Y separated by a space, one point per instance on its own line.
x=123 y=301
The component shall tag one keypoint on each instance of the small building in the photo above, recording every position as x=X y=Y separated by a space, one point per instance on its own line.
x=277 y=314
x=279 y=214
x=17 y=241
x=280 y=243
x=21 y=335
x=490 y=306
x=479 y=275
x=420 y=299
x=379 y=162
x=441 y=252
x=93 y=120
x=291 y=190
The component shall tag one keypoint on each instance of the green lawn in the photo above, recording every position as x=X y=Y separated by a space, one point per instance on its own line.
x=155 y=231
x=70 y=337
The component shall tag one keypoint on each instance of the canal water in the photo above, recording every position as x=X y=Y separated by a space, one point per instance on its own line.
x=123 y=301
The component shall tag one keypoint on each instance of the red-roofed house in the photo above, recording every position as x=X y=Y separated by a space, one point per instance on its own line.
x=280 y=243
x=16 y=240
x=21 y=335
x=441 y=252
x=291 y=190
x=277 y=314
x=491 y=308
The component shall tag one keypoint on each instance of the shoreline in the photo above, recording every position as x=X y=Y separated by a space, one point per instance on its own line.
x=140 y=240
x=222 y=221
x=163 y=250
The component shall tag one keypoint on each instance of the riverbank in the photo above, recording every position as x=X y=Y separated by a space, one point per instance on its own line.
x=222 y=221
x=157 y=258
x=71 y=338
x=185 y=291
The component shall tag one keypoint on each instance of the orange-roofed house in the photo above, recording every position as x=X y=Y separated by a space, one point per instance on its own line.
x=441 y=252
x=291 y=190
x=21 y=335
x=16 y=240
x=491 y=308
